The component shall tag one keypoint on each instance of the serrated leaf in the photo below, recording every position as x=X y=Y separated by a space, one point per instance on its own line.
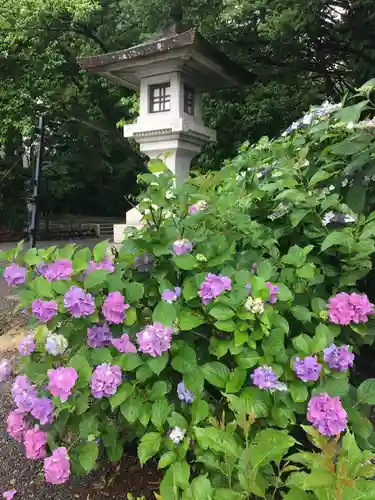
x=95 y=278
x=366 y=392
x=335 y=238
x=148 y=446
x=199 y=410
x=134 y=291
x=188 y=320
x=160 y=412
x=216 y=373
x=236 y=380
x=88 y=455
x=167 y=459
x=100 y=250
x=185 y=261
x=158 y=363
x=164 y=313
x=123 y=392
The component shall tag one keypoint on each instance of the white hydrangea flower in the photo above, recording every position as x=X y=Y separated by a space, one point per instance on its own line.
x=307 y=119
x=56 y=344
x=169 y=195
x=177 y=435
x=331 y=187
x=255 y=306
x=350 y=125
x=328 y=217
x=281 y=387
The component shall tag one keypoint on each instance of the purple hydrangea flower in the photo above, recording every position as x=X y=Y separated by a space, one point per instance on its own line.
x=171 y=295
x=248 y=288
x=44 y=310
x=338 y=358
x=265 y=378
x=61 y=382
x=60 y=270
x=26 y=345
x=57 y=467
x=254 y=268
x=213 y=286
x=105 y=264
x=274 y=290
x=155 y=339
x=78 y=302
x=15 y=275
x=182 y=246
x=307 y=369
x=105 y=380
x=114 y=308
x=9 y=494
x=42 y=410
x=99 y=336
x=123 y=344
x=5 y=370
x=327 y=415
x=23 y=393
x=184 y=394
x=144 y=263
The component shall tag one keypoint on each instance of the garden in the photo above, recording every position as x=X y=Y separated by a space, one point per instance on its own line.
x=229 y=340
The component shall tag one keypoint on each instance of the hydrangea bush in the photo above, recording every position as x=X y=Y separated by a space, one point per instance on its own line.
x=220 y=338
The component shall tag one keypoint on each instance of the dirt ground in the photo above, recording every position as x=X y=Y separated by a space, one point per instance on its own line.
x=26 y=476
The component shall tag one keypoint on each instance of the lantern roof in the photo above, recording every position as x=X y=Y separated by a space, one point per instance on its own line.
x=174 y=49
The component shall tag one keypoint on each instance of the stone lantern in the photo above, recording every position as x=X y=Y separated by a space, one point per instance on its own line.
x=171 y=71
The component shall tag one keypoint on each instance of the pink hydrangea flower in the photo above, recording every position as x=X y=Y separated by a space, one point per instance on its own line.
x=9 y=494
x=327 y=415
x=26 y=345
x=99 y=336
x=338 y=358
x=5 y=370
x=155 y=339
x=35 y=443
x=44 y=310
x=114 y=308
x=78 y=302
x=23 y=393
x=105 y=380
x=15 y=275
x=213 y=286
x=61 y=382
x=307 y=369
x=62 y=269
x=200 y=206
x=105 y=264
x=57 y=467
x=123 y=344
x=42 y=410
x=345 y=308
x=16 y=425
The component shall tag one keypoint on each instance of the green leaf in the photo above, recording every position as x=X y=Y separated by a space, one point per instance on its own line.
x=301 y=313
x=156 y=166
x=227 y=494
x=296 y=256
x=128 y=362
x=159 y=390
x=167 y=459
x=190 y=288
x=81 y=259
x=185 y=361
x=131 y=409
x=247 y=359
x=100 y=355
x=188 y=320
x=226 y=326
x=88 y=455
x=164 y=313
x=88 y=425
x=143 y=373
x=145 y=416
x=201 y=488
x=335 y=238
x=134 y=291
x=298 y=391
x=32 y=258
x=185 y=261
x=131 y=316
x=122 y=394
x=318 y=305
x=177 y=420
x=194 y=380
x=265 y=270
x=302 y=343
x=160 y=412
x=296 y=216
x=307 y=271
x=217 y=440
x=236 y=380
x=181 y=473
x=83 y=368
x=356 y=197
x=158 y=363
x=148 y=446
x=199 y=410
x=366 y=392
x=333 y=387
x=43 y=287
x=323 y=338
x=252 y=401
x=216 y=373
x=297 y=494
x=274 y=343
x=284 y=295
x=269 y=445
x=100 y=250
x=222 y=312
x=95 y=278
